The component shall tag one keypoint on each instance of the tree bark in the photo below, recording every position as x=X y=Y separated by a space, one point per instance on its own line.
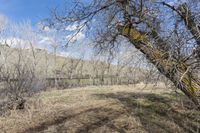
x=177 y=72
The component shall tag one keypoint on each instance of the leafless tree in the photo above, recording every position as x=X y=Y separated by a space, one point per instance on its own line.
x=17 y=76
x=168 y=35
x=18 y=68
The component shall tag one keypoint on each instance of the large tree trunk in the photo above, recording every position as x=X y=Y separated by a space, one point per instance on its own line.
x=176 y=71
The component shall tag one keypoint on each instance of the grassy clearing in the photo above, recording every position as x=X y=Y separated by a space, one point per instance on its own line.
x=131 y=109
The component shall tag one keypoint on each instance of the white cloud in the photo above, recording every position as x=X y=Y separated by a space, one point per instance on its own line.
x=46 y=29
x=15 y=42
x=72 y=27
x=43 y=27
x=73 y=35
x=3 y=21
x=48 y=43
x=77 y=37
x=45 y=40
x=64 y=54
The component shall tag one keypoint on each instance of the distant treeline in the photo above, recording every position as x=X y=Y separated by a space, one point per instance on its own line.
x=66 y=82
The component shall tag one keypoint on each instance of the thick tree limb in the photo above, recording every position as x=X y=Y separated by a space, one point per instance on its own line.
x=175 y=71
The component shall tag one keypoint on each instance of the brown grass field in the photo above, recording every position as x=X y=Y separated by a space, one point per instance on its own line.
x=105 y=109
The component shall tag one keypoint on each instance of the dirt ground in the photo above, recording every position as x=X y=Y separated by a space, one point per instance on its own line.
x=105 y=109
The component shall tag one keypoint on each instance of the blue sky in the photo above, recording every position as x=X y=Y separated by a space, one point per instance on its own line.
x=33 y=10
x=36 y=10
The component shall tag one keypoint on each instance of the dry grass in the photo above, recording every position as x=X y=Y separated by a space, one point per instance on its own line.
x=131 y=109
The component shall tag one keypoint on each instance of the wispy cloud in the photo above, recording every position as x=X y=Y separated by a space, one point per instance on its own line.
x=3 y=21
x=72 y=38
x=76 y=33
x=64 y=54
x=72 y=27
x=15 y=42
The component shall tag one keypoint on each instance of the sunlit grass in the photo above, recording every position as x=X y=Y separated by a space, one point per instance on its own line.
x=104 y=109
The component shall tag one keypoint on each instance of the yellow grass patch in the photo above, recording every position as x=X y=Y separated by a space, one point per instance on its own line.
x=133 y=109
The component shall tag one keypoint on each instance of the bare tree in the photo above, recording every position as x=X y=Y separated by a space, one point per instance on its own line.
x=18 y=77
x=172 y=46
x=18 y=66
x=94 y=68
x=53 y=42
